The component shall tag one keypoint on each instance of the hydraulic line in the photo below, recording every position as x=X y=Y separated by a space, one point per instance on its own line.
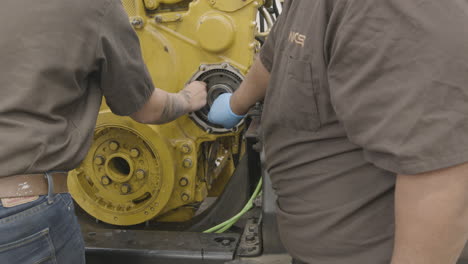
x=275 y=9
x=230 y=222
x=269 y=20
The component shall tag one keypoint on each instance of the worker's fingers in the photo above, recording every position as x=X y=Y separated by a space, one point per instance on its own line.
x=196 y=95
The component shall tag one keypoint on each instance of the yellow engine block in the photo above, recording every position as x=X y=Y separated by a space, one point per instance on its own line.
x=134 y=172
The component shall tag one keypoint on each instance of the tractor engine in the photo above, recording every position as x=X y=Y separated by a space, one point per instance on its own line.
x=135 y=173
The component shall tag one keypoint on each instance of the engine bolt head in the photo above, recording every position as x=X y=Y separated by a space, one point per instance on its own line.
x=137 y=22
x=185 y=197
x=140 y=174
x=134 y=153
x=183 y=182
x=125 y=188
x=186 y=149
x=250 y=238
x=99 y=160
x=106 y=180
x=114 y=146
x=187 y=163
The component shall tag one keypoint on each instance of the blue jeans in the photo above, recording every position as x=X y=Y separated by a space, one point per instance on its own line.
x=41 y=232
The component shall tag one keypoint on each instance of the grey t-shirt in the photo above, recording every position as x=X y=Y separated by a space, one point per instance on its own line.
x=57 y=60
x=360 y=91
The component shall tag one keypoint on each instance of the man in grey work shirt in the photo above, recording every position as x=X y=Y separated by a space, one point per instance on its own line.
x=366 y=114
x=57 y=60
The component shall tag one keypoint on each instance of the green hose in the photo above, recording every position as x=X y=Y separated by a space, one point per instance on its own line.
x=230 y=222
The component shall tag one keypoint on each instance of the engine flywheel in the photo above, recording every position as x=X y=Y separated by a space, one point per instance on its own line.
x=123 y=180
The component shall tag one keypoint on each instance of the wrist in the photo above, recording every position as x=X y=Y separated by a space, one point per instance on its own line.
x=184 y=100
x=236 y=108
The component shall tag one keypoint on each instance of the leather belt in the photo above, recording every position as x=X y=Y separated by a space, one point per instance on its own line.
x=31 y=185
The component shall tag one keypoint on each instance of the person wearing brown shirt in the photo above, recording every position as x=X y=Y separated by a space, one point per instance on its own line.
x=58 y=58
x=365 y=128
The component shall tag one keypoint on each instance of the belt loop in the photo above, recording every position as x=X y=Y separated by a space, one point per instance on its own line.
x=50 y=183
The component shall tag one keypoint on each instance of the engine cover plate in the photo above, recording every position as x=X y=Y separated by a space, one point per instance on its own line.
x=220 y=79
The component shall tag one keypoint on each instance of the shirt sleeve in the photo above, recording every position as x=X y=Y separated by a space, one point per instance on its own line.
x=398 y=79
x=125 y=81
x=268 y=50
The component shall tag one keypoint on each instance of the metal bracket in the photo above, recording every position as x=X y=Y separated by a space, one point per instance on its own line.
x=251 y=240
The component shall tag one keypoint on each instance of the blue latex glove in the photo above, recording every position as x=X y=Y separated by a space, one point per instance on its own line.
x=221 y=112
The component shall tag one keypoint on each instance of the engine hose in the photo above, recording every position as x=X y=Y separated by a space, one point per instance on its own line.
x=275 y=8
x=269 y=21
x=262 y=23
x=230 y=222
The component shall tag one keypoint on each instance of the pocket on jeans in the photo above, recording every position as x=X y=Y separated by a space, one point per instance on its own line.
x=33 y=249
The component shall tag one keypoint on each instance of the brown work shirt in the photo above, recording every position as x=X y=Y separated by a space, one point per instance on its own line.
x=359 y=92
x=57 y=60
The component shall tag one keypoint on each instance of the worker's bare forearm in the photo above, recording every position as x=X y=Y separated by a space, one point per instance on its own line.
x=252 y=89
x=431 y=216
x=163 y=107
x=176 y=105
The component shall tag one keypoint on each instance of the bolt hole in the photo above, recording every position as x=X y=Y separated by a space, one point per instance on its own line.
x=224 y=239
x=119 y=166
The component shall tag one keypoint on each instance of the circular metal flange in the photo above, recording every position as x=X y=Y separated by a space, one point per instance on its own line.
x=117 y=186
x=220 y=78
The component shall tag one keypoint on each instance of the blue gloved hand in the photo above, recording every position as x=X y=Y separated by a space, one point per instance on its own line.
x=221 y=112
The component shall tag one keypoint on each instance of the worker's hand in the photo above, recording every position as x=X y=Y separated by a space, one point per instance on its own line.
x=195 y=95
x=221 y=112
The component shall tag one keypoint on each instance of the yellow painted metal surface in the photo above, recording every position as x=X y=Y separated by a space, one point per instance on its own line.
x=136 y=173
x=154 y=4
x=231 y=5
